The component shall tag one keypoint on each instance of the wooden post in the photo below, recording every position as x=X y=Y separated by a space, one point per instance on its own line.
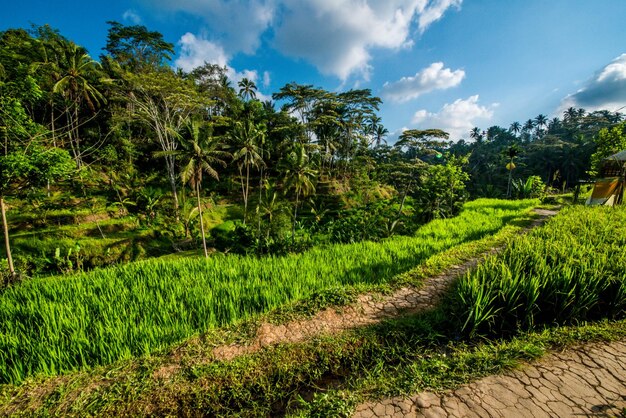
x=5 y=228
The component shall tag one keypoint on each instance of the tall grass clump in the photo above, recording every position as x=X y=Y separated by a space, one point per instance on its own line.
x=572 y=269
x=55 y=324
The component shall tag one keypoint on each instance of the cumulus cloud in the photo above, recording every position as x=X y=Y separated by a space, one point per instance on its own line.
x=605 y=90
x=132 y=16
x=434 y=77
x=195 y=51
x=236 y=24
x=266 y=79
x=434 y=10
x=334 y=35
x=456 y=118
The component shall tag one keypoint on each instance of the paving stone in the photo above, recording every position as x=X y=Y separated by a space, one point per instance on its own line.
x=563 y=384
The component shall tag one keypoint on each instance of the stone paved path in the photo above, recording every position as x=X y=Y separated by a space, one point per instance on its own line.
x=587 y=381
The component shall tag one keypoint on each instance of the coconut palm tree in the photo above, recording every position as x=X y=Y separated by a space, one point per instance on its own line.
x=515 y=127
x=475 y=134
x=200 y=153
x=540 y=122
x=247 y=137
x=380 y=133
x=77 y=71
x=247 y=89
x=299 y=175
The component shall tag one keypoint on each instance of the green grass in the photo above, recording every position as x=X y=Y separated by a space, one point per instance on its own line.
x=53 y=325
x=322 y=377
x=572 y=269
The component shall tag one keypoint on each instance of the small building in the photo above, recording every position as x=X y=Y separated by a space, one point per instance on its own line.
x=609 y=187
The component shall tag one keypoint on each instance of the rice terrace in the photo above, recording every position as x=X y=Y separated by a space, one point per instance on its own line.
x=189 y=232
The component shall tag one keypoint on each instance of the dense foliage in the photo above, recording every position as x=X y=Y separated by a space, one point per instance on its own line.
x=573 y=269
x=303 y=168
x=55 y=324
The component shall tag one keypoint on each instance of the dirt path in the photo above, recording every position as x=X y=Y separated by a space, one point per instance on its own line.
x=588 y=380
x=367 y=310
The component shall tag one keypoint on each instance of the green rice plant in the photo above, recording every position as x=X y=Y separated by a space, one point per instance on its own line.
x=56 y=324
x=572 y=269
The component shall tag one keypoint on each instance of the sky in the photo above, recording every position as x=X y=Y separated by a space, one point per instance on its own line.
x=446 y=64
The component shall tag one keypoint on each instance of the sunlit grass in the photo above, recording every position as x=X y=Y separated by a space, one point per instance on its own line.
x=573 y=269
x=51 y=325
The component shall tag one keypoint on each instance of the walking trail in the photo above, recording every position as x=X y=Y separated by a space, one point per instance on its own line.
x=589 y=380
x=367 y=310
x=586 y=381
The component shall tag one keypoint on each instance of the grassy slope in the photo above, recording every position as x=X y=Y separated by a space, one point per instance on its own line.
x=52 y=325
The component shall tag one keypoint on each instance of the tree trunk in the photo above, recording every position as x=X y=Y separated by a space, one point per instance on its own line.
x=171 y=172
x=295 y=217
x=245 y=210
x=206 y=253
x=260 y=201
x=5 y=228
x=508 y=188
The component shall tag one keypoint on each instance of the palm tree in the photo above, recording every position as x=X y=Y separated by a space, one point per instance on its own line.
x=247 y=89
x=200 y=154
x=475 y=134
x=554 y=124
x=380 y=134
x=299 y=175
x=515 y=127
x=512 y=152
x=528 y=126
x=77 y=69
x=540 y=122
x=246 y=137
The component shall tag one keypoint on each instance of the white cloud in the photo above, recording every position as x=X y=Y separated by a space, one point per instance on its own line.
x=434 y=77
x=434 y=10
x=266 y=79
x=237 y=24
x=605 y=90
x=195 y=51
x=336 y=36
x=456 y=118
x=132 y=16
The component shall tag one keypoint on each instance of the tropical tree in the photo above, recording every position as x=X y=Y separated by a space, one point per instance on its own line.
x=299 y=176
x=515 y=128
x=162 y=101
x=200 y=153
x=511 y=153
x=77 y=73
x=476 y=135
x=422 y=143
x=540 y=123
x=608 y=142
x=136 y=48
x=247 y=89
x=247 y=138
x=24 y=161
x=379 y=135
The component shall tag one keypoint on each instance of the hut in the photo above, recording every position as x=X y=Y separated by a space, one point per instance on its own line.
x=609 y=187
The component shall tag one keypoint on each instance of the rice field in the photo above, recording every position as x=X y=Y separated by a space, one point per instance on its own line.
x=573 y=269
x=57 y=324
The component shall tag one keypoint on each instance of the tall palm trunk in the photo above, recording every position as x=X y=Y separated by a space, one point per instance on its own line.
x=206 y=253
x=243 y=194
x=260 y=200
x=5 y=228
x=508 y=188
x=295 y=218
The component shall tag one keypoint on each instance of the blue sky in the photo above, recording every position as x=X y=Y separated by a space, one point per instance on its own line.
x=449 y=64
